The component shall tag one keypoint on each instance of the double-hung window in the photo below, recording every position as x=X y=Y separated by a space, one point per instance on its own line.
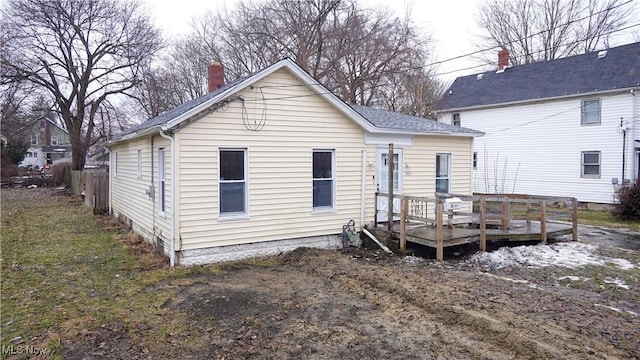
x=443 y=173
x=161 y=182
x=455 y=121
x=591 y=112
x=54 y=140
x=323 y=179
x=591 y=164
x=233 y=182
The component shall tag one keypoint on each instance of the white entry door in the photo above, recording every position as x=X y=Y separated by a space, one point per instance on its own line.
x=382 y=172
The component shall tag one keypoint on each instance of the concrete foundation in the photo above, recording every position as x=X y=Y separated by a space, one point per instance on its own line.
x=244 y=251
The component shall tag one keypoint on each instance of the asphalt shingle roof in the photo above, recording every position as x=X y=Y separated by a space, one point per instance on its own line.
x=575 y=75
x=384 y=119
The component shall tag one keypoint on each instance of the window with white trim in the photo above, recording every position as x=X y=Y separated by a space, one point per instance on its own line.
x=54 y=140
x=161 y=182
x=590 y=164
x=323 y=178
x=34 y=139
x=475 y=160
x=455 y=120
x=443 y=173
x=590 y=112
x=232 y=182
x=139 y=173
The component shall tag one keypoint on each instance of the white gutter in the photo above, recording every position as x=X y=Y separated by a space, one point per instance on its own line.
x=172 y=242
x=363 y=194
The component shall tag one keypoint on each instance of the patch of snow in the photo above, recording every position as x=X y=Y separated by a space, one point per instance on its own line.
x=505 y=278
x=573 y=278
x=412 y=260
x=618 y=282
x=569 y=255
x=616 y=309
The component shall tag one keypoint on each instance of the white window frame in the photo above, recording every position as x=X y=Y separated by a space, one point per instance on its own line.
x=54 y=140
x=332 y=208
x=454 y=119
x=34 y=139
x=583 y=112
x=162 y=182
x=237 y=215
x=583 y=164
x=474 y=160
x=139 y=158
x=448 y=177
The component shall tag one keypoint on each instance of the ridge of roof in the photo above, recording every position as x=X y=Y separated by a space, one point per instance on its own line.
x=589 y=73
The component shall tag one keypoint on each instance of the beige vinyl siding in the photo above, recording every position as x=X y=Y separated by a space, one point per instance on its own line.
x=129 y=196
x=279 y=176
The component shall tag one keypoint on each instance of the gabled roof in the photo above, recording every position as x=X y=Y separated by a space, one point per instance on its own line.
x=572 y=76
x=380 y=121
x=384 y=119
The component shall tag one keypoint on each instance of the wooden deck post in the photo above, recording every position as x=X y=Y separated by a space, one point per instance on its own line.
x=375 y=210
x=543 y=221
x=390 y=189
x=505 y=217
x=403 y=224
x=574 y=218
x=483 y=223
x=439 y=238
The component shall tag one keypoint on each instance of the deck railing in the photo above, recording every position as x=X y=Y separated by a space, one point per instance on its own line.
x=497 y=210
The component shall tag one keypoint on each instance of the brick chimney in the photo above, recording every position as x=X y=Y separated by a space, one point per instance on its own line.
x=503 y=59
x=47 y=132
x=216 y=76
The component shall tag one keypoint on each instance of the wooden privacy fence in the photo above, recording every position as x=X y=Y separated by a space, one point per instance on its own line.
x=459 y=219
x=97 y=190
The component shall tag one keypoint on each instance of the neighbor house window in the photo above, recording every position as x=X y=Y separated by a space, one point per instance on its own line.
x=443 y=173
x=475 y=160
x=233 y=181
x=455 y=121
x=591 y=164
x=161 y=181
x=34 y=140
x=590 y=112
x=323 y=178
x=139 y=163
x=54 y=140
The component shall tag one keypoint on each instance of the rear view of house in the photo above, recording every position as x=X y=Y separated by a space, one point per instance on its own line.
x=566 y=127
x=272 y=162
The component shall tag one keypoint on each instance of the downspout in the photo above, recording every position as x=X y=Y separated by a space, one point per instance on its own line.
x=363 y=195
x=172 y=242
x=634 y=124
x=110 y=185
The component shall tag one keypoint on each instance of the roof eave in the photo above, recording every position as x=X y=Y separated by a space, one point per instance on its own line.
x=528 y=101
x=426 y=133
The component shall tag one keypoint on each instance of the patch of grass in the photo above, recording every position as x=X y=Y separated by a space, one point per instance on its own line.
x=66 y=275
x=605 y=218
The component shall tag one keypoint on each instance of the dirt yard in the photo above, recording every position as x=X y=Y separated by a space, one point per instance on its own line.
x=364 y=304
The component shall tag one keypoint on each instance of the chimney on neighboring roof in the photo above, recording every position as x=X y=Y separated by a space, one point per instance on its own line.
x=216 y=76
x=503 y=59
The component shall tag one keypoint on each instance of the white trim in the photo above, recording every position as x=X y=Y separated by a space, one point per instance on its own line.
x=162 y=182
x=582 y=165
x=244 y=215
x=386 y=138
x=325 y=209
x=582 y=112
x=115 y=165
x=448 y=177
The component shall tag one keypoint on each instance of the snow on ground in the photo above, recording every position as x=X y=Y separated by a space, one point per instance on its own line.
x=566 y=254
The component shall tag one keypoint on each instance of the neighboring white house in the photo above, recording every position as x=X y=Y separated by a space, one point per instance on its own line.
x=271 y=162
x=566 y=127
x=48 y=142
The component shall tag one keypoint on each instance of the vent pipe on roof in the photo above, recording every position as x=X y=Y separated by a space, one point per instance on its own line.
x=602 y=54
x=216 y=76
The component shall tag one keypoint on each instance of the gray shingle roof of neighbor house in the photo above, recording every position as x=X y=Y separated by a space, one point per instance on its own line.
x=378 y=119
x=392 y=120
x=572 y=76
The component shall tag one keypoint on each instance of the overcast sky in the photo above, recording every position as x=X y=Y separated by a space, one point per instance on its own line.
x=451 y=23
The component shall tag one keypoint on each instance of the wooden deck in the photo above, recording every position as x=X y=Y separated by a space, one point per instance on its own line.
x=518 y=230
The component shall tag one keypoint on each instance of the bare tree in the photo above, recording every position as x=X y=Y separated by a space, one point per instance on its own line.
x=538 y=30
x=82 y=53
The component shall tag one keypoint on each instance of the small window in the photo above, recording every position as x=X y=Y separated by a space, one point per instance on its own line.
x=475 y=160
x=34 y=140
x=54 y=140
x=161 y=182
x=233 y=182
x=591 y=164
x=591 y=112
x=139 y=163
x=456 y=120
x=443 y=173
x=323 y=179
